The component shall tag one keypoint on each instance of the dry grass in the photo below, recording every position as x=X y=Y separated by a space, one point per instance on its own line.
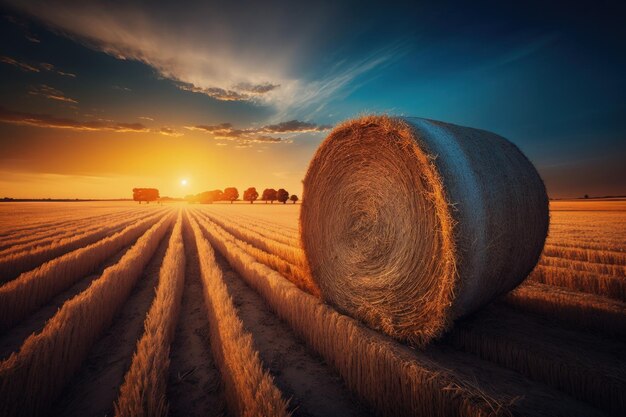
x=14 y=264
x=594 y=283
x=250 y=390
x=28 y=216
x=565 y=360
x=32 y=289
x=32 y=377
x=618 y=271
x=299 y=275
x=49 y=235
x=144 y=390
x=291 y=254
x=273 y=233
x=586 y=255
x=571 y=308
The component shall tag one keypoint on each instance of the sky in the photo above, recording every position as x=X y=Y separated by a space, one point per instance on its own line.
x=99 y=97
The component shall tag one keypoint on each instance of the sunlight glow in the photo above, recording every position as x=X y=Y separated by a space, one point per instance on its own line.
x=183 y=182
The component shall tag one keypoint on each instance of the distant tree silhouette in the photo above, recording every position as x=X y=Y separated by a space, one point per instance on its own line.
x=269 y=194
x=586 y=196
x=190 y=198
x=208 y=197
x=145 y=194
x=294 y=198
x=265 y=195
x=282 y=195
x=250 y=195
x=230 y=194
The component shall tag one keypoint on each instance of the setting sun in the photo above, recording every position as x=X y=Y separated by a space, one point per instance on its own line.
x=183 y=182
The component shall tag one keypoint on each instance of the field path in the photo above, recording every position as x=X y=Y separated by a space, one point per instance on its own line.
x=194 y=386
x=313 y=388
x=13 y=339
x=95 y=387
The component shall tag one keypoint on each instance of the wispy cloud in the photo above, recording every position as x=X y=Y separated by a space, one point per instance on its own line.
x=32 y=38
x=295 y=126
x=18 y=64
x=210 y=57
x=51 y=93
x=168 y=131
x=240 y=92
x=46 y=120
x=51 y=68
x=24 y=66
x=226 y=131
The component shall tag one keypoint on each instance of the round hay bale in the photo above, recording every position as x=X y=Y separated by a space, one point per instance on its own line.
x=409 y=223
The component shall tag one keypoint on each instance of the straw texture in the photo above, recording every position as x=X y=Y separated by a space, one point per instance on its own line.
x=409 y=223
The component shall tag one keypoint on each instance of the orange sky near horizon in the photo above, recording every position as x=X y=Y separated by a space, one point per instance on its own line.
x=101 y=165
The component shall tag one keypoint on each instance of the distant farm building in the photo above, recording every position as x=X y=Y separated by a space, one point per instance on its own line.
x=145 y=194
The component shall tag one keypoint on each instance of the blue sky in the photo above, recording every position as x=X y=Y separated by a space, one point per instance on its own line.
x=548 y=78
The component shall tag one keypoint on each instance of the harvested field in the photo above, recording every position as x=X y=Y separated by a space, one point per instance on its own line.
x=185 y=310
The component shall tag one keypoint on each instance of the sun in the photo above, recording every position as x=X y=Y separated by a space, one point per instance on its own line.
x=183 y=182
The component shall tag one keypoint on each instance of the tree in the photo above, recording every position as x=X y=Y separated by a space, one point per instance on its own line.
x=265 y=196
x=294 y=198
x=145 y=194
x=208 y=197
x=282 y=195
x=269 y=194
x=230 y=194
x=586 y=196
x=250 y=195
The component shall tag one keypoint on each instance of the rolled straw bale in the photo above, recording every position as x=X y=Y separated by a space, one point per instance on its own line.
x=409 y=223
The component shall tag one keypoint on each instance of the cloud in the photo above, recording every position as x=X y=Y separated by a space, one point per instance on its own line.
x=50 y=93
x=32 y=68
x=213 y=55
x=18 y=64
x=46 y=120
x=226 y=131
x=295 y=126
x=167 y=131
x=241 y=92
x=51 y=68
x=146 y=118
x=32 y=38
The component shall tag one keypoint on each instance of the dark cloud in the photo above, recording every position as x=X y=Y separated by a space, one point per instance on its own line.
x=241 y=92
x=34 y=68
x=226 y=131
x=258 y=88
x=295 y=126
x=51 y=93
x=51 y=68
x=168 y=131
x=223 y=127
x=18 y=64
x=46 y=120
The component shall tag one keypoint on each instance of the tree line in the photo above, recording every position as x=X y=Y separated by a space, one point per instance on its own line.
x=251 y=194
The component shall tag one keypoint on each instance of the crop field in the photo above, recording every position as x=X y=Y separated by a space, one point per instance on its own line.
x=209 y=310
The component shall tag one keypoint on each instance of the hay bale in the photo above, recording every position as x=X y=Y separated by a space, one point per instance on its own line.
x=410 y=223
